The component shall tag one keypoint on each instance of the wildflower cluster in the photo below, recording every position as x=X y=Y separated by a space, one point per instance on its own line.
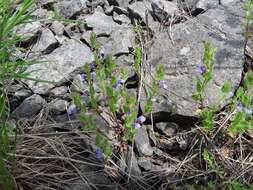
x=243 y=106
x=242 y=102
x=206 y=73
x=112 y=90
x=157 y=85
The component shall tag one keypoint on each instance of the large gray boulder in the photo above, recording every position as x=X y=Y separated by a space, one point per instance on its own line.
x=182 y=52
x=59 y=65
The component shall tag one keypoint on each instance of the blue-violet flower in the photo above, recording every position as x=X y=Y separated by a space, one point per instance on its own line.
x=136 y=125
x=202 y=69
x=99 y=153
x=162 y=84
x=141 y=119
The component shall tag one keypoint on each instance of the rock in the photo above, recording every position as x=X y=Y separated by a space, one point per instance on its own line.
x=57 y=106
x=158 y=152
x=145 y=163
x=18 y=93
x=76 y=185
x=78 y=85
x=70 y=8
x=163 y=10
x=86 y=37
x=188 y=6
x=142 y=142
x=46 y=42
x=61 y=39
x=208 y=4
x=46 y=3
x=59 y=65
x=224 y=32
x=120 y=3
x=98 y=179
x=168 y=129
x=29 y=107
x=119 y=42
x=198 y=6
x=168 y=144
x=132 y=164
x=139 y=9
x=73 y=31
x=59 y=91
x=40 y=13
x=121 y=19
x=57 y=28
x=119 y=10
x=163 y=169
x=183 y=142
x=125 y=61
x=102 y=125
x=101 y=23
x=159 y=104
x=30 y=30
x=96 y=4
x=152 y=137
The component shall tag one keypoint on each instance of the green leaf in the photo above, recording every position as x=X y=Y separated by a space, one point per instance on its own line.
x=226 y=88
x=109 y=91
x=246 y=101
x=196 y=97
x=160 y=72
x=248 y=81
x=239 y=92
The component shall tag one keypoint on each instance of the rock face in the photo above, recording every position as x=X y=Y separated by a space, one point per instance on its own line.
x=58 y=65
x=182 y=55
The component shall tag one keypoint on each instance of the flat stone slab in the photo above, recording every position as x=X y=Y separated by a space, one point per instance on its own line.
x=181 y=51
x=59 y=65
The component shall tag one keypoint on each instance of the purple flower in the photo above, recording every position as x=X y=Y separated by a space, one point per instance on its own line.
x=85 y=96
x=83 y=76
x=248 y=111
x=162 y=84
x=202 y=69
x=141 y=119
x=99 y=153
x=239 y=107
x=93 y=75
x=72 y=110
x=92 y=66
x=136 y=125
x=119 y=83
